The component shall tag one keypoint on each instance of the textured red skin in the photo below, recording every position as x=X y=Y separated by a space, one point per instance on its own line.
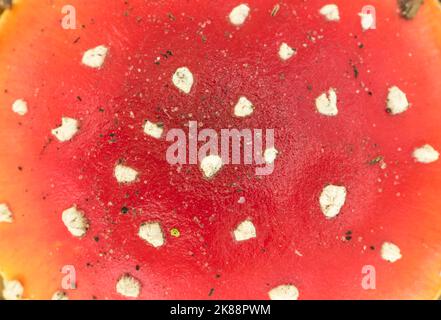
x=41 y=63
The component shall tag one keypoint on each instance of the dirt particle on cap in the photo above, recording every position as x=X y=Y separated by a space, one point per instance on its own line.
x=409 y=8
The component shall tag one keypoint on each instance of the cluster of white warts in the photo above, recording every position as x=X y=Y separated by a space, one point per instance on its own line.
x=331 y=199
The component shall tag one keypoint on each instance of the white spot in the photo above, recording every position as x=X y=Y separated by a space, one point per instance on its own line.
x=367 y=21
x=284 y=292
x=128 y=286
x=75 y=222
x=183 y=79
x=95 y=57
x=241 y=200
x=154 y=130
x=326 y=104
x=243 y=107
x=425 y=154
x=20 y=107
x=152 y=233
x=239 y=14
x=285 y=51
x=68 y=128
x=330 y=12
x=396 y=101
x=390 y=252
x=12 y=290
x=332 y=199
x=210 y=165
x=270 y=155
x=124 y=174
x=5 y=213
x=60 y=295
x=245 y=231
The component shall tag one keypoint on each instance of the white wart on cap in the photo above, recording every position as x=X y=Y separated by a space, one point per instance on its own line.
x=75 y=221
x=5 y=213
x=390 y=252
x=68 y=128
x=125 y=174
x=286 y=52
x=396 y=101
x=128 y=286
x=270 y=155
x=244 y=231
x=332 y=200
x=243 y=107
x=60 y=295
x=12 y=290
x=151 y=232
x=326 y=104
x=330 y=12
x=425 y=154
x=154 y=130
x=366 y=20
x=210 y=165
x=284 y=292
x=95 y=57
x=183 y=79
x=20 y=107
x=239 y=14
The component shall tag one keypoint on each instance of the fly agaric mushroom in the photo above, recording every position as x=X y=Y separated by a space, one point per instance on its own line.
x=85 y=111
